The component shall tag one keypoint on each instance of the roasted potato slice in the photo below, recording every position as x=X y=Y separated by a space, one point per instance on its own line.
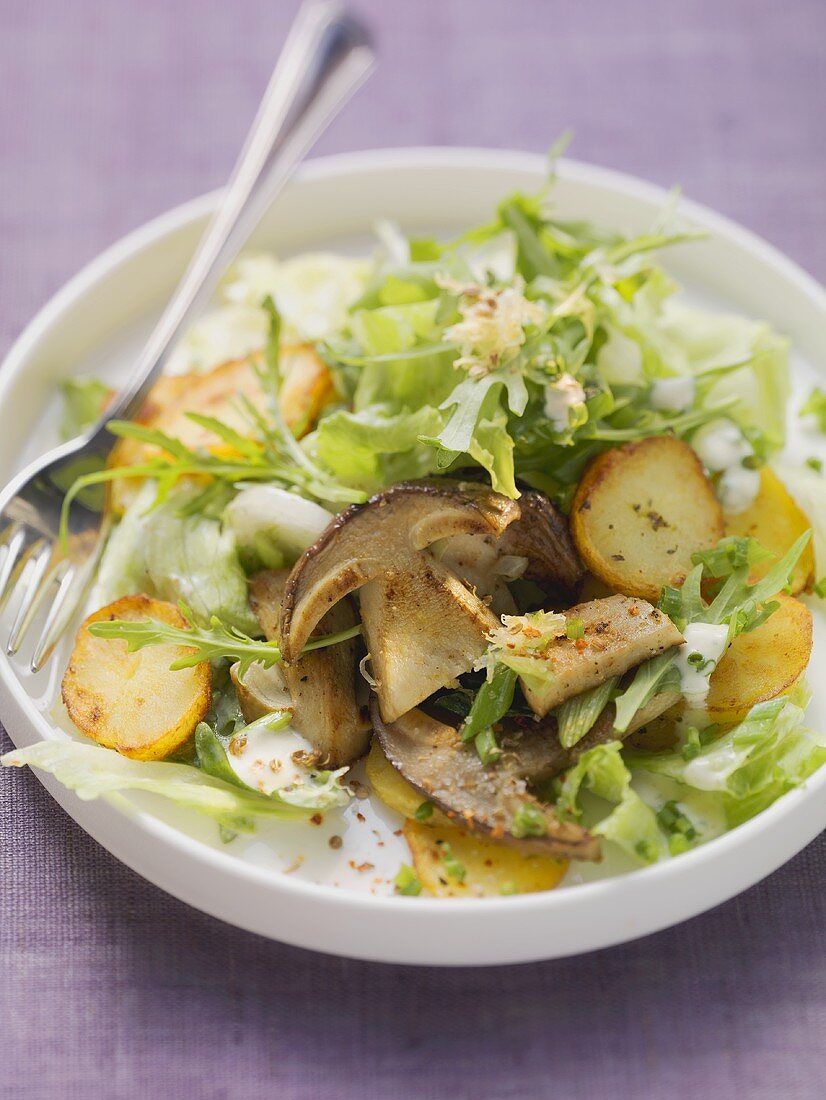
x=306 y=388
x=451 y=863
x=393 y=789
x=659 y=734
x=775 y=520
x=133 y=702
x=640 y=512
x=763 y=664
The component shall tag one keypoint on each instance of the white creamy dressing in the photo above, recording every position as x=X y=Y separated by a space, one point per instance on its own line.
x=673 y=394
x=720 y=445
x=722 y=449
x=709 y=771
x=560 y=397
x=709 y=641
x=737 y=488
x=263 y=758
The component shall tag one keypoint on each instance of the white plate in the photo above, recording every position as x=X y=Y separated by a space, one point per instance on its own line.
x=96 y=322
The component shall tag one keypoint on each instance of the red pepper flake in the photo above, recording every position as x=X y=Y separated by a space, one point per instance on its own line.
x=581 y=645
x=316 y=819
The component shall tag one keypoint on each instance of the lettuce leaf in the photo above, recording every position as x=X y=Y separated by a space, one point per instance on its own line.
x=631 y=824
x=165 y=552
x=374 y=447
x=770 y=752
x=91 y=772
x=760 y=387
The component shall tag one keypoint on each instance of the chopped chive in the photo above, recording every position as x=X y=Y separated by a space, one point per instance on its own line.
x=575 y=628
x=406 y=882
x=454 y=868
x=424 y=811
x=528 y=821
x=487 y=747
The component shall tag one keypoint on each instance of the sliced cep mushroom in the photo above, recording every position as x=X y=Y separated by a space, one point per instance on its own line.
x=485 y=799
x=422 y=625
x=536 y=546
x=260 y=691
x=619 y=632
x=542 y=536
x=322 y=685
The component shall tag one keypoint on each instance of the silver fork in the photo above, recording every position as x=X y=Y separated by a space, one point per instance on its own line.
x=327 y=56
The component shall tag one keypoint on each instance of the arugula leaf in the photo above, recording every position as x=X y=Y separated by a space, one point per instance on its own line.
x=212 y=756
x=215 y=642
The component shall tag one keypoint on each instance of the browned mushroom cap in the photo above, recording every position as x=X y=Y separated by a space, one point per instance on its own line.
x=619 y=632
x=537 y=546
x=424 y=620
x=485 y=799
x=322 y=685
x=541 y=536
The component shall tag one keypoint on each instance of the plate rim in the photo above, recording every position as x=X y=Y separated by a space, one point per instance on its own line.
x=350 y=903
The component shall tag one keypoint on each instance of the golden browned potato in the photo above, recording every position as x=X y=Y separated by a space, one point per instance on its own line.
x=393 y=789
x=451 y=863
x=775 y=521
x=660 y=734
x=133 y=702
x=762 y=664
x=307 y=386
x=640 y=512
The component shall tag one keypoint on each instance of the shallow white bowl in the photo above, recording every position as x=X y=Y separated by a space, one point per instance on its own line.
x=96 y=322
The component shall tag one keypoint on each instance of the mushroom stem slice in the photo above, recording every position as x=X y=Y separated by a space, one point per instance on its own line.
x=260 y=691
x=422 y=628
x=323 y=684
x=620 y=632
x=431 y=757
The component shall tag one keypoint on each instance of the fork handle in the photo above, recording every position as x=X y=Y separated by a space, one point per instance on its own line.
x=327 y=56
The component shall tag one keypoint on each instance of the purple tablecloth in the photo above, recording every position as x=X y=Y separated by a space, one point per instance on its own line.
x=109 y=114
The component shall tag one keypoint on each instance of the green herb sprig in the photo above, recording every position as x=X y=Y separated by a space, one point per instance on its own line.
x=215 y=642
